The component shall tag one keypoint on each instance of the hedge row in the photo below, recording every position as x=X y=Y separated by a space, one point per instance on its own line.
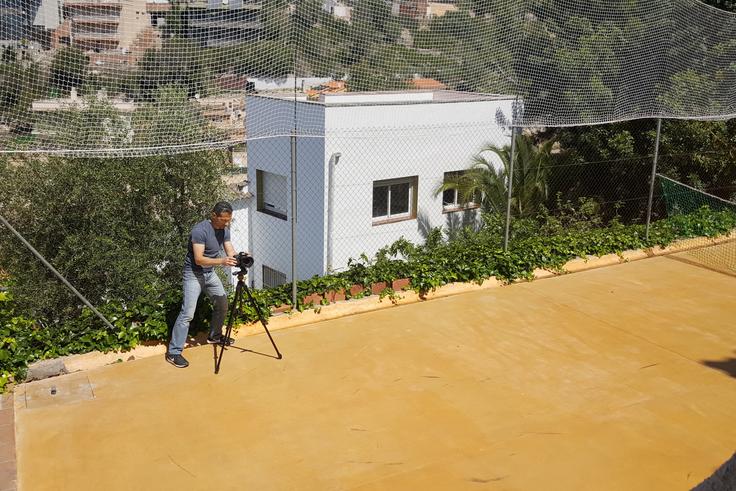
x=472 y=256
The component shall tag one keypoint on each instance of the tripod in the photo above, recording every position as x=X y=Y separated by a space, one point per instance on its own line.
x=236 y=310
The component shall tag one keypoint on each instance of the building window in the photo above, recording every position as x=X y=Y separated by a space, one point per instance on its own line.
x=394 y=200
x=452 y=199
x=272 y=193
x=272 y=278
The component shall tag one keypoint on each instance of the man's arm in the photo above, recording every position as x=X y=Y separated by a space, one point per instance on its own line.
x=202 y=260
x=229 y=249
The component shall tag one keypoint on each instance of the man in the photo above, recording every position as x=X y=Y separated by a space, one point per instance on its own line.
x=207 y=240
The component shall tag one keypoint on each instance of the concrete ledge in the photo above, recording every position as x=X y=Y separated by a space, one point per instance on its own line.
x=371 y=303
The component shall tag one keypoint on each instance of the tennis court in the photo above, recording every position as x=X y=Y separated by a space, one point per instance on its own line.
x=615 y=378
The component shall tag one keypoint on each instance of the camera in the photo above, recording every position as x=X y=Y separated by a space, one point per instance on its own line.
x=244 y=260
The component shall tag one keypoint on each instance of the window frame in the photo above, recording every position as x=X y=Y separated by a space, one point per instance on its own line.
x=413 y=182
x=456 y=206
x=262 y=205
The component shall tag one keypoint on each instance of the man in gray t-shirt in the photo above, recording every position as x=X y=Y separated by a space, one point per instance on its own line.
x=206 y=243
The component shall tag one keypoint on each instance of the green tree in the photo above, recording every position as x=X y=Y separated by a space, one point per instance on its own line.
x=180 y=62
x=266 y=58
x=68 y=69
x=171 y=119
x=20 y=83
x=486 y=179
x=116 y=228
x=95 y=125
x=385 y=68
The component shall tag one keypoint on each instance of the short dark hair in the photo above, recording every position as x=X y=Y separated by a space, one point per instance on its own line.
x=222 y=207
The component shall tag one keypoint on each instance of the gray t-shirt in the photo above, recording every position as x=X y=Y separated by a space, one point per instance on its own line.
x=213 y=240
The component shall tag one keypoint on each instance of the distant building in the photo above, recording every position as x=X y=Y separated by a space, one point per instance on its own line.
x=331 y=87
x=157 y=11
x=225 y=112
x=222 y=22
x=421 y=9
x=111 y=32
x=426 y=84
x=102 y=25
x=338 y=9
x=438 y=9
x=416 y=9
x=76 y=102
x=28 y=21
x=287 y=83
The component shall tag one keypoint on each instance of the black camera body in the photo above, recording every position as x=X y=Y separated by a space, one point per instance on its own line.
x=244 y=260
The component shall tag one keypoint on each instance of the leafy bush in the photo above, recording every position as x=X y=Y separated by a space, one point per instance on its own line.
x=471 y=257
x=110 y=226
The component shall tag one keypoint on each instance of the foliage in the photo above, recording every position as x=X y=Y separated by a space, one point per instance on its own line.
x=486 y=181
x=112 y=226
x=548 y=241
x=180 y=63
x=255 y=59
x=68 y=69
x=21 y=82
x=171 y=119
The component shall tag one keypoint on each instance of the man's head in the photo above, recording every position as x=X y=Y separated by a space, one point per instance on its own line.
x=222 y=214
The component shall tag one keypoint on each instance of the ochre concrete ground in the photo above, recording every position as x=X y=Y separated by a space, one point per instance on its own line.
x=619 y=378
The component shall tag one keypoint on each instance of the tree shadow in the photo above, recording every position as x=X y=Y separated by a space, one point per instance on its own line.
x=455 y=223
x=723 y=479
x=727 y=365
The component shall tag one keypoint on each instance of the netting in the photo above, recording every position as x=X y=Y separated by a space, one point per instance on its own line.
x=683 y=200
x=135 y=77
x=341 y=128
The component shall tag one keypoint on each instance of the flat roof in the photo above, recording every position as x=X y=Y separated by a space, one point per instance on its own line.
x=390 y=97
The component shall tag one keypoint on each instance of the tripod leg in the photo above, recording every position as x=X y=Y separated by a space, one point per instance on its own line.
x=260 y=318
x=237 y=301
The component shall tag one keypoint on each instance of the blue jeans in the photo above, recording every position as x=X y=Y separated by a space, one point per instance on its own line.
x=194 y=283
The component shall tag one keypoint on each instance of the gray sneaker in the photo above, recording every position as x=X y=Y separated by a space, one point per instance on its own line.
x=221 y=340
x=177 y=360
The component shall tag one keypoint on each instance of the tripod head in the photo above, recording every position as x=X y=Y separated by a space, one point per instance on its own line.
x=243 y=293
x=244 y=260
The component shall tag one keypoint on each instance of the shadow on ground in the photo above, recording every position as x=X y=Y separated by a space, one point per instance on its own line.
x=724 y=479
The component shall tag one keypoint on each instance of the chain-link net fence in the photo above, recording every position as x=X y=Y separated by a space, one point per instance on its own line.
x=341 y=128
x=683 y=201
x=137 y=77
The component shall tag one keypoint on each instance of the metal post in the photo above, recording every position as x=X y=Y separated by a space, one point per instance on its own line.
x=510 y=184
x=332 y=163
x=653 y=177
x=58 y=275
x=294 y=278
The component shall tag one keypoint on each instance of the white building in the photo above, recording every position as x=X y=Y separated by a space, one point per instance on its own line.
x=338 y=9
x=368 y=170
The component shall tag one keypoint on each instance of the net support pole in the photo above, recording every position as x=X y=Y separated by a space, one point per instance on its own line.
x=53 y=270
x=510 y=190
x=294 y=278
x=653 y=177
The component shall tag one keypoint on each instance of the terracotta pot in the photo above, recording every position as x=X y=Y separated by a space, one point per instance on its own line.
x=377 y=288
x=400 y=284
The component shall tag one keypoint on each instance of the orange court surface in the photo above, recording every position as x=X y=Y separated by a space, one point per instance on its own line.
x=618 y=378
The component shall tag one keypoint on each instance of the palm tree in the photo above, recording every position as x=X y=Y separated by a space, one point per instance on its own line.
x=486 y=182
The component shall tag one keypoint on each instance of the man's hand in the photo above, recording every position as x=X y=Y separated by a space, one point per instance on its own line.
x=229 y=261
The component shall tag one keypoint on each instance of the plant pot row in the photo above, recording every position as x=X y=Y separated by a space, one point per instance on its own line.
x=337 y=296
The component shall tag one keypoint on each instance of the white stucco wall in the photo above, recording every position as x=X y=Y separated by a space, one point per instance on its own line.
x=394 y=141
x=376 y=142
x=270 y=236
